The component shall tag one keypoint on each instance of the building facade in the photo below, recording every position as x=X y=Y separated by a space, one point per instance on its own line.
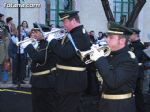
x=91 y=13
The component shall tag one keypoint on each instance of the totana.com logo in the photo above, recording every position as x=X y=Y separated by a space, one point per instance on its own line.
x=22 y=5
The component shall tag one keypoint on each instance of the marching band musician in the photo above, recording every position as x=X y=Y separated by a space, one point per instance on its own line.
x=119 y=71
x=137 y=46
x=43 y=73
x=71 y=80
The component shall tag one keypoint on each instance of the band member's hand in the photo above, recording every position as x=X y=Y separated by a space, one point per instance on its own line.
x=25 y=44
x=35 y=44
x=96 y=54
x=50 y=38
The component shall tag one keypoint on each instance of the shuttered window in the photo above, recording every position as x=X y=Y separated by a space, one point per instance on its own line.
x=122 y=9
x=57 y=6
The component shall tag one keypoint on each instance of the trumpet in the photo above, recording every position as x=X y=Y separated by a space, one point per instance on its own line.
x=85 y=55
x=26 y=40
x=55 y=32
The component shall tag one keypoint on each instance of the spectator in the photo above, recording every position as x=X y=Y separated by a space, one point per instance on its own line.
x=25 y=28
x=100 y=35
x=4 y=41
x=19 y=60
x=92 y=36
x=11 y=26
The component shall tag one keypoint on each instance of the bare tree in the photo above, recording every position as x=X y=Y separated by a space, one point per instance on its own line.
x=107 y=10
x=135 y=12
x=132 y=17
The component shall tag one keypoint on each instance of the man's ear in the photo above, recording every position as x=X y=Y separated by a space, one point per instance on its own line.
x=73 y=21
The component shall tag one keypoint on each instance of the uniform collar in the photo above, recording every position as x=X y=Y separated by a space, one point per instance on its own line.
x=42 y=40
x=126 y=48
x=136 y=41
x=76 y=28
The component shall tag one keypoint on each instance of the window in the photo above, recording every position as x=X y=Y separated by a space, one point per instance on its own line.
x=122 y=9
x=57 y=6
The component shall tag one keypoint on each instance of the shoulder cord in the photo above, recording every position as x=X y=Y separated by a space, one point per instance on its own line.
x=63 y=40
x=46 y=49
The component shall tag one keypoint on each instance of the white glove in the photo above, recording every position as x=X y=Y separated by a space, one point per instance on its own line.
x=50 y=38
x=96 y=54
x=25 y=44
x=35 y=44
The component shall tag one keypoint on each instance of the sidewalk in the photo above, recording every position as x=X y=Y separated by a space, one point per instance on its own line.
x=9 y=84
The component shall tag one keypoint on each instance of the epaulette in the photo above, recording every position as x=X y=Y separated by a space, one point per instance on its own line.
x=83 y=31
x=132 y=55
x=142 y=42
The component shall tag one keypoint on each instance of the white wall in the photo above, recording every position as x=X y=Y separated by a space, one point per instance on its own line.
x=29 y=14
x=145 y=21
x=92 y=15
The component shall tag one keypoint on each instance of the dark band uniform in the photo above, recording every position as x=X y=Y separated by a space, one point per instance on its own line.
x=119 y=74
x=137 y=47
x=72 y=76
x=43 y=77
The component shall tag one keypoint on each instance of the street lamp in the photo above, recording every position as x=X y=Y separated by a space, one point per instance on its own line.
x=19 y=14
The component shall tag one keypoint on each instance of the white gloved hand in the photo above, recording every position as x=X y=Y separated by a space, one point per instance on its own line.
x=96 y=54
x=35 y=44
x=50 y=38
x=25 y=44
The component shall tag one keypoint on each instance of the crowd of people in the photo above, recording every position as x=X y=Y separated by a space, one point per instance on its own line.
x=9 y=51
x=61 y=81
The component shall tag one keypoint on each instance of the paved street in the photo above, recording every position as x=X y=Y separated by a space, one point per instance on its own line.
x=18 y=98
x=14 y=99
x=147 y=102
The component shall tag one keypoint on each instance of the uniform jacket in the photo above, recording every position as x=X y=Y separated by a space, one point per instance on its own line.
x=69 y=80
x=41 y=60
x=119 y=72
x=137 y=47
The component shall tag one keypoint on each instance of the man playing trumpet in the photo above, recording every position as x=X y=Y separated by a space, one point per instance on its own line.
x=119 y=71
x=72 y=75
x=43 y=73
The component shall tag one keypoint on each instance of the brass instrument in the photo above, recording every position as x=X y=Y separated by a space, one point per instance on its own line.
x=26 y=40
x=85 y=55
x=55 y=32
